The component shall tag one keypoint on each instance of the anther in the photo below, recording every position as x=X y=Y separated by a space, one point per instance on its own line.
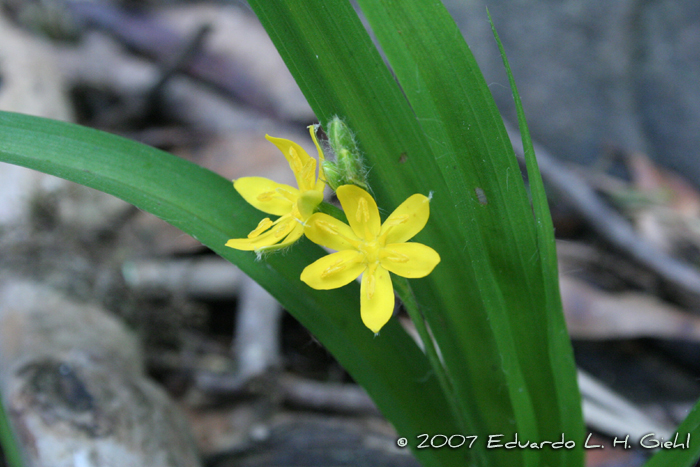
x=296 y=163
x=371 y=283
x=362 y=214
x=397 y=257
x=281 y=231
x=267 y=196
x=287 y=194
x=335 y=267
x=329 y=228
x=398 y=220
x=263 y=225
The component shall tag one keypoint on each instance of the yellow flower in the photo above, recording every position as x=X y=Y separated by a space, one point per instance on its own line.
x=294 y=205
x=370 y=248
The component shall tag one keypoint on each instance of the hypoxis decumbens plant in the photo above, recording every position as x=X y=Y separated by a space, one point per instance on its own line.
x=495 y=355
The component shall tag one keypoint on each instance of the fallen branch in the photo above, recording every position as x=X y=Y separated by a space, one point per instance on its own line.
x=331 y=397
x=150 y=38
x=595 y=314
x=210 y=278
x=610 y=224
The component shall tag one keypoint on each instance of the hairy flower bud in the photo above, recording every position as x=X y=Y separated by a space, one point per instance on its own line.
x=348 y=167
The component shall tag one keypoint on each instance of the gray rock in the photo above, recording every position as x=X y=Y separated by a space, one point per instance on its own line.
x=72 y=381
x=622 y=73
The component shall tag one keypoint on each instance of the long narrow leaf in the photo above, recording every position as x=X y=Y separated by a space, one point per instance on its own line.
x=684 y=456
x=482 y=226
x=568 y=398
x=340 y=72
x=8 y=440
x=205 y=205
x=453 y=105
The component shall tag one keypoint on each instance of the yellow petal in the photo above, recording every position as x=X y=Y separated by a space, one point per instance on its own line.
x=283 y=227
x=406 y=220
x=376 y=298
x=334 y=270
x=303 y=165
x=328 y=231
x=308 y=202
x=361 y=211
x=410 y=260
x=266 y=195
x=293 y=236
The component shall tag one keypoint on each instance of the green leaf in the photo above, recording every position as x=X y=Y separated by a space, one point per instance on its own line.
x=8 y=441
x=453 y=105
x=203 y=204
x=561 y=354
x=689 y=430
x=487 y=303
x=341 y=73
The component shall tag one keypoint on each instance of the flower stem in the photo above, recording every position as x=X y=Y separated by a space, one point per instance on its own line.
x=405 y=293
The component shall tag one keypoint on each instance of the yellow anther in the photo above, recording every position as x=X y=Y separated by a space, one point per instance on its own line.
x=287 y=194
x=308 y=171
x=263 y=225
x=327 y=227
x=295 y=160
x=332 y=269
x=371 y=284
x=397 y=257
x=281 y=231
x=398 y=220
x=362 y=214
x=267 y=196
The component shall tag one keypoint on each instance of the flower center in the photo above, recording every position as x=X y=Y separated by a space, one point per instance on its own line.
x=370 y=250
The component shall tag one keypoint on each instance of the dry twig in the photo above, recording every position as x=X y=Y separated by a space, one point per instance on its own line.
x=150 y=38
x=609 y=224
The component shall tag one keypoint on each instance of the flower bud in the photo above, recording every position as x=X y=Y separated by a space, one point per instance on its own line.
x=348 y=167
x=331 y=173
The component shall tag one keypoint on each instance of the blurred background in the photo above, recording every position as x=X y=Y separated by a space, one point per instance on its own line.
x=116 y=327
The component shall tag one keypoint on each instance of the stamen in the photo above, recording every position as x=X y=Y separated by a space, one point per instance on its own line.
x=267 y=196
x=362 y=214
x=281 y=231
x=371 y=284
x=287 y=194
x=333 y=230
x=397 y=257
x=327 y=227
x=308 y=171
x=398 y=220
x=390 y=223
x=295 y=161
x=335 y=267
x=263 y=225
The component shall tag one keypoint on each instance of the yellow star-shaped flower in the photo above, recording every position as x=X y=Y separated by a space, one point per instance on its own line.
x=294 y=205
x=370 y=248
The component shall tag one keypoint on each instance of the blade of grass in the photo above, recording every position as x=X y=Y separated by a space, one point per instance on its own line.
x=681 y=457
x=340 y=72
x=451 y=99
x=446 y=91
x=206 y=206
x=8 y=442
x=568 y=398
